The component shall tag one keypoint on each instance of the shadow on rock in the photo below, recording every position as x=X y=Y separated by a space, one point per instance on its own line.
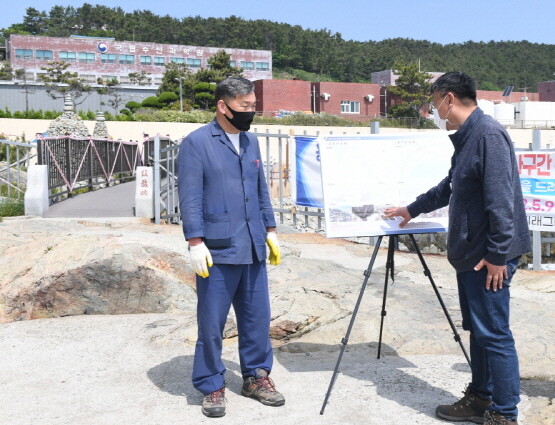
x=538 y=388
x=174 y=377
x=390 y=375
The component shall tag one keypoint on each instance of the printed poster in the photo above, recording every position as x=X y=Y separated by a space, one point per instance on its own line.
x=364 y=175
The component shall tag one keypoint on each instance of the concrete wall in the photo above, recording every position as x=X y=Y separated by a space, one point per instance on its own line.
x=16 y=97
x=134 y=130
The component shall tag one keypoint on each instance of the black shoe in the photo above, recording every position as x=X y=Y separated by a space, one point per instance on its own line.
x=494 y=418
x=262 y=388
x=469 y=408
x=213 y=404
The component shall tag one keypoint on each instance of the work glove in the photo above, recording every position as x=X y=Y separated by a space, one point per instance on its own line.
x=273 y=244
x=200 y=259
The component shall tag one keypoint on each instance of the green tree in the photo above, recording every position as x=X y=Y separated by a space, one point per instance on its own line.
x=35 y=22
x=151 y=102
x=133 y=105
x=111 y=89
x=59 y=81
x=172 y=74
x=6 y=71
x=411 y=88
x=204 y=95
x=220 y=65
x=20 y=78
x=141 y=78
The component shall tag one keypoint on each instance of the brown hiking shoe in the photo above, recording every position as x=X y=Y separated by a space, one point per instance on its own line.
x=494 y=418
x=213 y=404
x=262 y=388
x=469 y=408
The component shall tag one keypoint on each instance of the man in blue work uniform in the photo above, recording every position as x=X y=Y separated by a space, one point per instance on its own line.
x=488 y=232
x=228 y=220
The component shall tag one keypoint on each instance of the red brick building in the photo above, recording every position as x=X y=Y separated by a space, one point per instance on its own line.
x=546 y=91
x=273 y=96
x=349 y=100
x=356 y=101
x=106 y=58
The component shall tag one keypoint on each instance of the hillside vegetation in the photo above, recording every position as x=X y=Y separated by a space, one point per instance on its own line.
x=314 y=54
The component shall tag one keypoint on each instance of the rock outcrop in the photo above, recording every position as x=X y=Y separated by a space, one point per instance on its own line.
x=60 y=267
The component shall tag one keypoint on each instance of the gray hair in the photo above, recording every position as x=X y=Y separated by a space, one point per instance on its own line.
x=232 y=87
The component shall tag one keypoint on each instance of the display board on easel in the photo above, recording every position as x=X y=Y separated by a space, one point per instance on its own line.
x=364 y=175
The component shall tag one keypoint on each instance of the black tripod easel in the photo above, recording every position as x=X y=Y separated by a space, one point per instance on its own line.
x=389 y=269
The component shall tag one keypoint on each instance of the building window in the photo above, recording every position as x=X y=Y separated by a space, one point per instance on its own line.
x=194 y=63
x=127 y=59
x=44 y=55
x=89 y=78
x=107 y=58
x=262 y=66
x=68 y=56
x=146 y=60
x=109 y=78
x=177 y=60
x=86 y=57
x=159 y=61
x=247 y=65
x=23 y=54
x=349 y=107
x=233 y=64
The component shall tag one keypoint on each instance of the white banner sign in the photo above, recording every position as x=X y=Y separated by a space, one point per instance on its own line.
x=364 y=175
x=537 y=178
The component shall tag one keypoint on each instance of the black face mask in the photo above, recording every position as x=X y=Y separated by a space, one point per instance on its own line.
x=241 y=120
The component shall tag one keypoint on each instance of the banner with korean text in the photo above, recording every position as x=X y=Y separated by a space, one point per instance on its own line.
x=537 y=178
x=307 y=184
x=364 y=175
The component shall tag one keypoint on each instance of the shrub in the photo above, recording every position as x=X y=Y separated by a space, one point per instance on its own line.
x=167 y=97
x=132 y=105
x=11 y=207
x=151 y=102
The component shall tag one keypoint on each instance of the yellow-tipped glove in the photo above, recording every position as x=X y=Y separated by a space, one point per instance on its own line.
x=200 y=259
x=273 y=244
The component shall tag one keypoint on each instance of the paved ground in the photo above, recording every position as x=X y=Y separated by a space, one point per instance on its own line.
x=115 y=201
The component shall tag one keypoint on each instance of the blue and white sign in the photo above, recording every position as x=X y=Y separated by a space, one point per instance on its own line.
x=308 y=178
x=102 y=47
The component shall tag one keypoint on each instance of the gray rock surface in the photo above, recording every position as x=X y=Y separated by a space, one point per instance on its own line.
x=135 y=369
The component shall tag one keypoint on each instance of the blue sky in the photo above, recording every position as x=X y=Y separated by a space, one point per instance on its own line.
x=441 y=21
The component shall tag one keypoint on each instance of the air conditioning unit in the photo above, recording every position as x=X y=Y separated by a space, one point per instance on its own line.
x=369 y=97
x=326 y=96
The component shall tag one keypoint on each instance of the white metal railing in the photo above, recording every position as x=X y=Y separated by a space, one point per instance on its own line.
x=15 y=158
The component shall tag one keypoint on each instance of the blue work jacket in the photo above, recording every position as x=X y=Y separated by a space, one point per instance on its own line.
x=223 y=195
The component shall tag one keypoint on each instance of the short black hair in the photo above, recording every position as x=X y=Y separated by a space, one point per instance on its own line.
x=232 y=87
x=456 y=82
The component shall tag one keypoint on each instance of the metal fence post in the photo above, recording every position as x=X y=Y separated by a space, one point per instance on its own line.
x=156 y=188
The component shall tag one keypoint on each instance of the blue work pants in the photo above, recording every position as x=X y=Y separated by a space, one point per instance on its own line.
x=495 y=372
x=246 y=287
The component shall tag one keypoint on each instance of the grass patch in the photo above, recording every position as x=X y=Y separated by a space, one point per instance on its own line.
x=11 y=207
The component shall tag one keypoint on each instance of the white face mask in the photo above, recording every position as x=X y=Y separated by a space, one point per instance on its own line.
x=441 y=123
